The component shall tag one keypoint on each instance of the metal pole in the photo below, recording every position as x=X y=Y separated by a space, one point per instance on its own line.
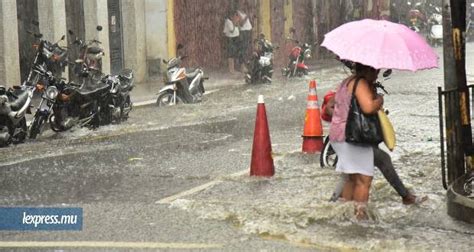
x=455 y=152
x=441 y=133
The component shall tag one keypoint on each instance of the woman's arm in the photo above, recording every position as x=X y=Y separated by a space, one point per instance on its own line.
x=369 y=102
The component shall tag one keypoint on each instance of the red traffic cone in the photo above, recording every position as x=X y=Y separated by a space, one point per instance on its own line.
x=262 y=160
x=313 y=130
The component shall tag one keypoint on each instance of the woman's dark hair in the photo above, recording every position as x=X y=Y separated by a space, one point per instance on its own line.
x=361 y=68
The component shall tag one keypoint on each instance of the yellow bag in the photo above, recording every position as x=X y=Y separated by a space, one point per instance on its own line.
x=387 y=130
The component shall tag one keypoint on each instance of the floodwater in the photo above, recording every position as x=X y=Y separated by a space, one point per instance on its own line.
x=293 y=205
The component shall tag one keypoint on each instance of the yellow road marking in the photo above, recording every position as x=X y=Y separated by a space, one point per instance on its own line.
x=105 y=244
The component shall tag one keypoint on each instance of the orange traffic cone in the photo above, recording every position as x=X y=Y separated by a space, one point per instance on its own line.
x=313 y=131
x=262 y=161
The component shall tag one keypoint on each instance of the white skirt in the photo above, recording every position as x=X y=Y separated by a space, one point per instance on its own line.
x=353 y=159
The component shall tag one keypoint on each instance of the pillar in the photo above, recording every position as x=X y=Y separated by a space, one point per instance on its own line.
x=156 y=17
x=52 y=22
x=134 y=38
x=171 y=30
x=265 y=21
x=52 y=19
x=9 y=52
x=96 y=13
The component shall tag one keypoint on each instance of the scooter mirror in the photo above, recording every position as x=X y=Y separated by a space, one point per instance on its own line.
x=179 y=46
x=63 y=37
x=387 y=73
x=165 y=62
x=70 y=32
x=99 y=27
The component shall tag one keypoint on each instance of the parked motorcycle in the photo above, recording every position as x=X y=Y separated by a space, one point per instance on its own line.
x=116 y=104
x=14 y=104
x=50 y=56
x=260 y=66
x=296 y=65
x=90 y=56
x=182 y=85
x=435 y=27
x=67 y=104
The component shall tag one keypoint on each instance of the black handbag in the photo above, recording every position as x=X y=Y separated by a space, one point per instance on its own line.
x=362 y=128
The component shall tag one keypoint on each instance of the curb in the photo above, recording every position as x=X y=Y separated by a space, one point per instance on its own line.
x=142 y=104
x=149 y=103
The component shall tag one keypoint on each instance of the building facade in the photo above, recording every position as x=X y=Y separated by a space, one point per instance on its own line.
x=139 y=34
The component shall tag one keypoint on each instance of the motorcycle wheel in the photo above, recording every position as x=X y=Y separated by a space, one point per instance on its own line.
x=248 y=79
x=125 y=105
x=267 y=79
x=301 y=73
x=201 y=87
x=37 y=125
x=328 y=157
x=166 y=99
x=20 y=138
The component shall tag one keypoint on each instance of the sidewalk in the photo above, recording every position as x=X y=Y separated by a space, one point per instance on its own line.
x=145 y=92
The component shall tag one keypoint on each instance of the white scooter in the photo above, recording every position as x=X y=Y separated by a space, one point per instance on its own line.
x=182 y=85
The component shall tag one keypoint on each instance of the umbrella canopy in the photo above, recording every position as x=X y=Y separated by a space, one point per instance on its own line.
x=381 y=44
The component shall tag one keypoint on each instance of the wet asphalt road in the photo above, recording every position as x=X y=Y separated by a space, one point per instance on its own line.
x=120 y=174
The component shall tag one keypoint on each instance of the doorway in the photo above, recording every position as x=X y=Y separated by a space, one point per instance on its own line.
x=115 y=36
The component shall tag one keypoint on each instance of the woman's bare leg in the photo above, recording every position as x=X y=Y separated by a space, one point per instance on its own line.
x=361 y=194
x=361 y=187
x=348 y=190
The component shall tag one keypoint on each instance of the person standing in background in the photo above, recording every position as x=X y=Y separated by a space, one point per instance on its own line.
x=245 y=38
x=231 y=31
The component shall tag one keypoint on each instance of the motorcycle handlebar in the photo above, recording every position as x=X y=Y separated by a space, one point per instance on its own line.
x=74 y=84
x=379 y=85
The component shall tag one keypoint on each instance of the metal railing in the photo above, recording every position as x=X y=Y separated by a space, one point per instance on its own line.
x=451 y=94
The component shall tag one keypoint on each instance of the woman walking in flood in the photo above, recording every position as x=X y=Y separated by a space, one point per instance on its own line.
x=355 y=160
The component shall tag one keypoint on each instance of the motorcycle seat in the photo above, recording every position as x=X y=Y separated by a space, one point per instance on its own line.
x=94 y=50
x=192 y=72
x=126 y=74
x=90 y=87
x=17 y=104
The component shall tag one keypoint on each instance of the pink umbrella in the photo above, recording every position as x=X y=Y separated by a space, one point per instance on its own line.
x=381 y=44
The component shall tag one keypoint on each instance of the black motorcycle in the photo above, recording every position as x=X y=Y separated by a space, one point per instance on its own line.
x=260 y=66
x=115 y=105
x=49 y=56
x=67 y=104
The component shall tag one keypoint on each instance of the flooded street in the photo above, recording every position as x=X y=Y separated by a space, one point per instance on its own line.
x=180 y=174
x=294 y=204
